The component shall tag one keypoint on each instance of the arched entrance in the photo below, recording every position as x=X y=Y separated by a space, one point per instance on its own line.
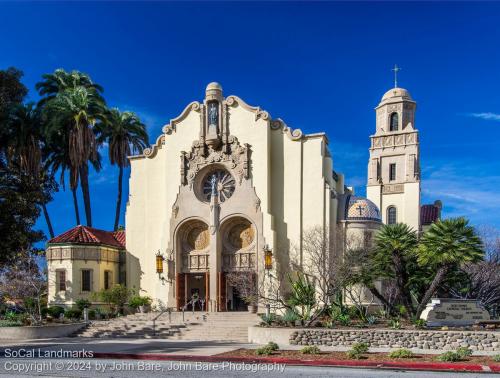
x=192 y=281
x=239 y=256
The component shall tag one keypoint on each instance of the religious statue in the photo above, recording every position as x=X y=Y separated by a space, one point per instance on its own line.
x=212 y=114
x=213 y=183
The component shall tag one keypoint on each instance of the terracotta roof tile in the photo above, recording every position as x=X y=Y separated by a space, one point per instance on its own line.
x=89 y=235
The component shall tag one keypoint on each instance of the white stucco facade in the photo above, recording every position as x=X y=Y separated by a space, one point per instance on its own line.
x=224 y=182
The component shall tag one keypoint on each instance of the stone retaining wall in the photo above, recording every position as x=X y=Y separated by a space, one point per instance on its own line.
x=39 y=332
x=382 y=338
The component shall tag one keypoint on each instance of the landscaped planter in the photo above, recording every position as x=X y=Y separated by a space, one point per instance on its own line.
x=377 y=338
x=39 y=332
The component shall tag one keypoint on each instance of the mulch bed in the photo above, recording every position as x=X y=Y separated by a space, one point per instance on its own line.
x=379 y=357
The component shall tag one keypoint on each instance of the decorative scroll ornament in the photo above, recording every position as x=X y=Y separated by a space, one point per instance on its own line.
x=236 y=158
x=277 y=124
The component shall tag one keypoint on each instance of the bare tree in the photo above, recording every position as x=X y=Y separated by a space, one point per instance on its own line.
x=25 y=281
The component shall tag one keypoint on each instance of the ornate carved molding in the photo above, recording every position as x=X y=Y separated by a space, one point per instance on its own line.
x=393 y=188
x=394 y=140
x=236 y=159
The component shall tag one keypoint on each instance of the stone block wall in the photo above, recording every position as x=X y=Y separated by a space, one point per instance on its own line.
x=384 y=338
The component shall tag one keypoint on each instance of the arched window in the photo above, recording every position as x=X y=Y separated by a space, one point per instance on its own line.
x=394 y=122
x=391 y=215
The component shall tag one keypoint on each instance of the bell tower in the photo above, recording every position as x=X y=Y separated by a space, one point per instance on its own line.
x=394 y=169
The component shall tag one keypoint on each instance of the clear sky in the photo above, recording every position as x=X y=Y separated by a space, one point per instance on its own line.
x=319 y=66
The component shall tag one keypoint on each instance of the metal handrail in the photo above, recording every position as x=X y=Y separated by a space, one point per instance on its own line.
x=169 y=310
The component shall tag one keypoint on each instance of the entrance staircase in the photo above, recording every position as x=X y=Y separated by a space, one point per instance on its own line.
x=227 y=326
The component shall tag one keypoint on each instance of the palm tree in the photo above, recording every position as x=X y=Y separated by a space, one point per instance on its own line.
x=394 y=248
x=125 y=135
x=60 y=80
x=445 y=245
x=58 y=160
x=24 y=149
x=73 y=113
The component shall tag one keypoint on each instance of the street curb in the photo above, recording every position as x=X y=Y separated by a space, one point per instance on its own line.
x=422 y=366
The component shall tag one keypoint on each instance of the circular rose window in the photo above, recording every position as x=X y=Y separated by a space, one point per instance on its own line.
x=219 y=182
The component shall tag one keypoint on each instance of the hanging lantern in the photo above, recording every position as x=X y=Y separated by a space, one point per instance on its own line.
x=159 y=263
x=268 y=258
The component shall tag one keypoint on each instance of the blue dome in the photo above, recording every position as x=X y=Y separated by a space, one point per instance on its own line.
x=359 y=208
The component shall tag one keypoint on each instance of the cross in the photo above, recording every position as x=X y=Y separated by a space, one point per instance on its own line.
x=396 y=69
x=360 y=209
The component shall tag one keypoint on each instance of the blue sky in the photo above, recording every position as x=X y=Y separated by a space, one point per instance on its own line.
x=319 y=66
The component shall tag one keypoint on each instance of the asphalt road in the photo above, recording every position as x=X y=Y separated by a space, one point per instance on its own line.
x=25 y=367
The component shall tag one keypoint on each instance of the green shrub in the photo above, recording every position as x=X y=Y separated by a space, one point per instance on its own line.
x=264 y=351
x=11 y=316
x=449 y=357
x=268 y=319
x=371 y=320
x=72 y=313
x=401 y=353
x=10 y=323
x=55 y=311
x=344 y=319
x=419 y=323
x=395 y=323
x=273 y=345
x=310 y=350
x=136 y=301
x=354 y=355
x=92 y=314
x=496 y=358
x=290 y=316
x=464 y=352
x=360 y=347
x=82 y=303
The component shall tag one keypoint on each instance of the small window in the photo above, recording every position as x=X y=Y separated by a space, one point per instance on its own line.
x=86 y=280
x=394 y=124
x=392 y=171
x=61 y=280
x=391 y=215
x=107 y=280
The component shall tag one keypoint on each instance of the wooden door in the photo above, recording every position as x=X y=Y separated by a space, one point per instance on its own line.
x=222 y=292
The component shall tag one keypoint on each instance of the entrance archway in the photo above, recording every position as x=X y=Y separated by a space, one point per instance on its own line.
x=192 y=280
x=239 y=256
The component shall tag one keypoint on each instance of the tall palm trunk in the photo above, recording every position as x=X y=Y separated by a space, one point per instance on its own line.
x=75 y=204
x=438 y=278
x=84 y=183
x=119 y=198
x=47 y=220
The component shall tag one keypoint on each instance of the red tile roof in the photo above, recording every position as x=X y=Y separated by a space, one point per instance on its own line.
x=89 y=235
x=428 y=214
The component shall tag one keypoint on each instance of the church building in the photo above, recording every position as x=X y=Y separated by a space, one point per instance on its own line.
x=226 y=185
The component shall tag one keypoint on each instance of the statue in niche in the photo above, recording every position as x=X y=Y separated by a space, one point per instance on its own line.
x=212 y=137
x=212 y=115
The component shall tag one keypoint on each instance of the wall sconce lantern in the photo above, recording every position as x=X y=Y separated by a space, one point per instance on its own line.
x=268 y=258
x=159 y=264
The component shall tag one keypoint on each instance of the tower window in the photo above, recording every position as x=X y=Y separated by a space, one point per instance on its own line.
x=86 y=280
x=107 y=280
x=61 y=280
x=391 y=215
x=394 y=122
x=392 y=171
